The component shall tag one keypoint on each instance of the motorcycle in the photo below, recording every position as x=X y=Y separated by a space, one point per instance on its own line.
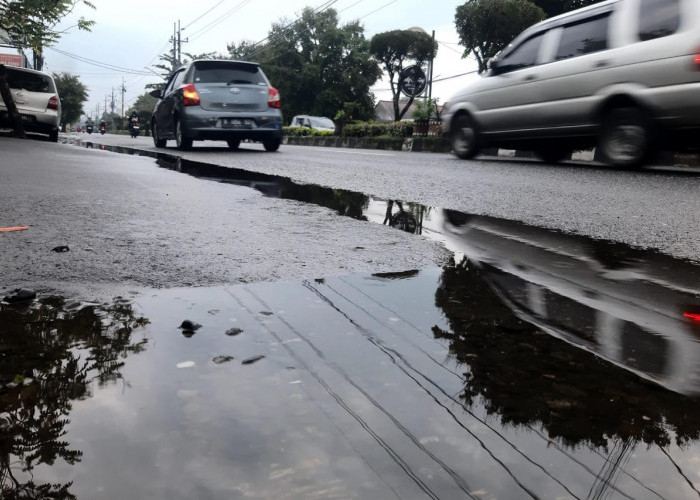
x=102 y=129
x=134 y=128
x=88 y=129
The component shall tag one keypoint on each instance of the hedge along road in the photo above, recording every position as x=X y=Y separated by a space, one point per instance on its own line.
x=653 y=208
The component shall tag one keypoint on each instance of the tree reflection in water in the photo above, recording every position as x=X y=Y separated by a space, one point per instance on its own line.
x=51 y=353
x=529 y=378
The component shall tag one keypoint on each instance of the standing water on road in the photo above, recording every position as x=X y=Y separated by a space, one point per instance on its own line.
x=552 y=367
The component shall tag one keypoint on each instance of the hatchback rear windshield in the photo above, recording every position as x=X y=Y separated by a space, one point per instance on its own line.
x=221 y=72
x=33 y=82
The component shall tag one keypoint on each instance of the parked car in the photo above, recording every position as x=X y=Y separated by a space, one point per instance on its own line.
x=622 y=75
x=219 y=100
x=314 y=122
x=37 y=101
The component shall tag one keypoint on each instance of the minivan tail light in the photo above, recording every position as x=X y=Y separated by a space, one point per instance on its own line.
x=190 y=97
x=53 y=103
x=273 y=99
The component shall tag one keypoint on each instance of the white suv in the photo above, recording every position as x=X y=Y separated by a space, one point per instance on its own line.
x=622 y=75
x=36 y=99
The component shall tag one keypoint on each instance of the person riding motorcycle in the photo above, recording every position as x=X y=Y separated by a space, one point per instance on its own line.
x=103 y=126
x=89 y=125
x=134 y=124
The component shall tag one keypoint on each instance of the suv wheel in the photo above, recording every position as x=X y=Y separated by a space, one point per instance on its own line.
x=272 y=144
x=625 y=138
x=233 y=144
x=157 y=141
x=554 y=154
x=465 y=138
x=53 y=136
x=184 y=143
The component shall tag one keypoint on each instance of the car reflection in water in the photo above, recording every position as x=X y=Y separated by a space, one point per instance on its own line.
x=636 y=309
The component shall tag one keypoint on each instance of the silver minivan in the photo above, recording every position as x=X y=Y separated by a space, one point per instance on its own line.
x=620 y=75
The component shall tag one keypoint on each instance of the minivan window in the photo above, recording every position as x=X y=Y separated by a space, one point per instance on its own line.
x=224 y=72
x=522 y=56
x=33 y=82
x=658 y=18
x=585 y=37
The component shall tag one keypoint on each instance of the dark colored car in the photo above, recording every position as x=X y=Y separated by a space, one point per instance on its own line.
x=218 y=100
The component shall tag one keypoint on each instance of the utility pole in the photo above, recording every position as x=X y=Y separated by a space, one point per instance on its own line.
x=177 y=43
x=122 y=90
x=105 y=111
x=430 y=74
x=112 y=103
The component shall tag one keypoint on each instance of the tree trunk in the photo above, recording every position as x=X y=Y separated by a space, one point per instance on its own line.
x=12 y=112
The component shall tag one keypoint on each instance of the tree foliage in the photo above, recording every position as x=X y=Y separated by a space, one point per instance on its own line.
x=317 y=65
x=555 y=7
x=398 y=49
x=32 y=23
x=485 y=27
x=169 y=63
x=73 y=94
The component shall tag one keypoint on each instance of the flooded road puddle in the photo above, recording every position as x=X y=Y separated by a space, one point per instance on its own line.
x=536 y=365
x=493 y=377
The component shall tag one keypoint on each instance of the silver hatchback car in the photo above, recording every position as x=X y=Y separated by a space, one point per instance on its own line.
x=37 y=101
x=620 y=75
x=212 y=99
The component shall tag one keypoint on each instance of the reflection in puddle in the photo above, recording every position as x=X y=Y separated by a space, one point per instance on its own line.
x=429 y=383
x=53 y=354
x=537 y=365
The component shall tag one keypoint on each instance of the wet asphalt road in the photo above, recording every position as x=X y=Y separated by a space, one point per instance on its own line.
x=128 y=222
x=654 y=208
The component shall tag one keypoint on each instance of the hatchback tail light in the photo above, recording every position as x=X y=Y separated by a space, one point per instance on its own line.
x=53 y=103
x=273 y=99
x=190 y=97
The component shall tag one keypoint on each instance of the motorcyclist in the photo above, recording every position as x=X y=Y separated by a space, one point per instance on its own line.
x=134 y=118
x=89 y=125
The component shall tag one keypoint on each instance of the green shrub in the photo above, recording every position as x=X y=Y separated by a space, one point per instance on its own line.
x=373 y=129
x=306 y=132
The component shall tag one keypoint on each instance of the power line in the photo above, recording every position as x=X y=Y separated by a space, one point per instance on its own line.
x=220 y=20
x=204 y=14
x=99 y=64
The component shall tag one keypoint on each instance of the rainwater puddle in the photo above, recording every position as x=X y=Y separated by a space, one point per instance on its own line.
x=506 y=375
x=536 y=365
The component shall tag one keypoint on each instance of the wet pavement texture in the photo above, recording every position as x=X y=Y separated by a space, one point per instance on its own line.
x=536 y=365
x=651 y=208
x=120 y=220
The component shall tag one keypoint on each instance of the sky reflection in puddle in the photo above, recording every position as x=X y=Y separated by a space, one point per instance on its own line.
x=419 y=384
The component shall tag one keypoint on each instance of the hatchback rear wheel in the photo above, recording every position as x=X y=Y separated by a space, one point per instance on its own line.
x=465 y=138
x=157 y=141
x=626 y=138
x=183 y=142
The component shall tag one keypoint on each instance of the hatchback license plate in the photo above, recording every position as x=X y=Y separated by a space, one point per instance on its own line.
x=236 y=123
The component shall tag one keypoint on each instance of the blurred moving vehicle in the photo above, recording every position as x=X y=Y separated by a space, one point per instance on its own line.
x=218 y=100
x=621 y=75
x=37 y=101
x=134 y=125
x=638 y=310
x=314 y=122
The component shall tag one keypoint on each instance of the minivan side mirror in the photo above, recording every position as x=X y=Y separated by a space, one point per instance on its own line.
x=156 y=93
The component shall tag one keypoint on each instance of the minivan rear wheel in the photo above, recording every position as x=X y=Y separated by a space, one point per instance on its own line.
x=184 y=143
x=465 y=137
x=626 y=138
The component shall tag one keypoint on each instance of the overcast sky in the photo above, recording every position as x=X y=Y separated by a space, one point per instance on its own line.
x=131 y=34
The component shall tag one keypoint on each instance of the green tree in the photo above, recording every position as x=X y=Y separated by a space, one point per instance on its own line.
x=73 y=94
x=555 y=7
x=32 y=24
x=398 y=49
x=169 y=63
x=485 y=27
x=316 y=64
